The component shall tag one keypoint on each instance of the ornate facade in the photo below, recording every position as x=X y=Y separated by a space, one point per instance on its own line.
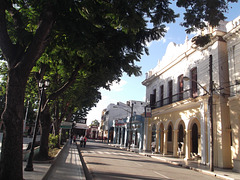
x=179 y=90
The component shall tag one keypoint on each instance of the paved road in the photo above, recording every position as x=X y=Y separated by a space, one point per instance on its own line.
x=105 y=162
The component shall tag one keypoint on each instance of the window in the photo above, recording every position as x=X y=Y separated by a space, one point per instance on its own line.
x=153 y=99
x=170 y=84
x=194 y=89
x=180 y=87
x=161 y=95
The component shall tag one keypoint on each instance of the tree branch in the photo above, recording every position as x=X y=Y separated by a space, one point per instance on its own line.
x=38 y=45
x=66 y=85
x=5 y=42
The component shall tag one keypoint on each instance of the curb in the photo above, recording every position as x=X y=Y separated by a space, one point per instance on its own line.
x=191 y=168
x=181 y=165
x=45 y=177
x=85 y=169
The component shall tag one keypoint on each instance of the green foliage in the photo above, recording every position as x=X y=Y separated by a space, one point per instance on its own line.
x=53 y=140
x=103 y=38
x=95 y=123
x=198 y=12
x=202 y=40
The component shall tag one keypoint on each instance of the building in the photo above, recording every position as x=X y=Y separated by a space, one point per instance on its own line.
x=129 y=130
x=93 y=132
x=102 y=129
x=120 y=111
x=233 y=47
x=182 y=110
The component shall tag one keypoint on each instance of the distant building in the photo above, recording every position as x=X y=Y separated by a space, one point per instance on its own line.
x=119 y=111
x=93 y=132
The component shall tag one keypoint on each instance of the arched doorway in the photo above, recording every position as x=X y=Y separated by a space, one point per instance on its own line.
x=180 y=133
x=153 y=133
x=170 y=138
x=136 y=138
x=195 y=138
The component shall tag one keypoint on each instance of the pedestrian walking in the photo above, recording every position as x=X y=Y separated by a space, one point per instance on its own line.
x=81 y=141
x=85 y=141
x=71 y=138
x=179 y=148
x=153 y=144
x=74 y=138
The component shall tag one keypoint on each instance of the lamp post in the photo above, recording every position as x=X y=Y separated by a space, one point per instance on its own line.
x=210 y=104
x=29 y=167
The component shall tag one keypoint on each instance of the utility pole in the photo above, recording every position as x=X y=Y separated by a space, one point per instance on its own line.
x=210 y=101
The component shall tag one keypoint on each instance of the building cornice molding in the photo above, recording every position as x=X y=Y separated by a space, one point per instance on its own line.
x=232 y=33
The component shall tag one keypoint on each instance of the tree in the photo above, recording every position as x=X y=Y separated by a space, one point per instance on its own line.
x=115 y=29
x=95 y=123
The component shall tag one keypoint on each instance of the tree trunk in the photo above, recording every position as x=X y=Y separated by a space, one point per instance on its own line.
x=58 y=132
x=13 y=115
x=46 y=127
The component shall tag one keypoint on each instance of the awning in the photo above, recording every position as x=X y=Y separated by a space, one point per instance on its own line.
x=80 y=126
x=66 y=125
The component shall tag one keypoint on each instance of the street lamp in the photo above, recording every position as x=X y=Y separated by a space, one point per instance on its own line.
x=210 y=104
x=185 y=78
x=42 y=84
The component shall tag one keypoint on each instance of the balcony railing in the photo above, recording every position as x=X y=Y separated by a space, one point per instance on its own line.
x=174 y=98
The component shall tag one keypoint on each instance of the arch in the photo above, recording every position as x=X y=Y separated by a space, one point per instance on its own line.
x=194 y=129
x=167 y=124
x=170 y=137
x=180 y=133
x=194 y=139
x=153 y=133
x=192 y=121
x=170 y=133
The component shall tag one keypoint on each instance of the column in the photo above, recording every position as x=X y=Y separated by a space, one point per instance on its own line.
x=187 y=146
x=175 y=142
x=118 y=135
x=121 y=140
x=203 y=123
x=141 y=131
x=165 y=142
x=157 y=141
x=114 y=135
x=126 y=136
x=145 y=139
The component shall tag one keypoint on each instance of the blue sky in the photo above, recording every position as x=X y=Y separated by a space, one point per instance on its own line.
x=131 y=88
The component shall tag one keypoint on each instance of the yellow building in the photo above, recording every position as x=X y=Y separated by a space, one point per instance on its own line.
x=179 y=90
x=233 y=45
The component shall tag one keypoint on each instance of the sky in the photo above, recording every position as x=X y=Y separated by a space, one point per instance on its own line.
x=131 y=88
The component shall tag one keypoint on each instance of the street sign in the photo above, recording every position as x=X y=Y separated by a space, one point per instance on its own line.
x=148 y=112
x=66 y=125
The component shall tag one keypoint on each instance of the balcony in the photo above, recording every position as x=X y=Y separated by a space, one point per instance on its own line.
x=174 y=98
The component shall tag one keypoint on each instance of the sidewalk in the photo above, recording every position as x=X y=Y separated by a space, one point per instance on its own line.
x=220 y=173
x=67 y=165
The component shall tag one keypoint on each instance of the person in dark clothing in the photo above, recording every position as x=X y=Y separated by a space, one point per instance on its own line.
x=84 y=141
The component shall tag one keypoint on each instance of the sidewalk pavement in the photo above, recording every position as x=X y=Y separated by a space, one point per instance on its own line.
x=220 y=173
x=66 y=165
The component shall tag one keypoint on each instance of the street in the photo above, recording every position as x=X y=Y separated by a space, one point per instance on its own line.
x=106 y=162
